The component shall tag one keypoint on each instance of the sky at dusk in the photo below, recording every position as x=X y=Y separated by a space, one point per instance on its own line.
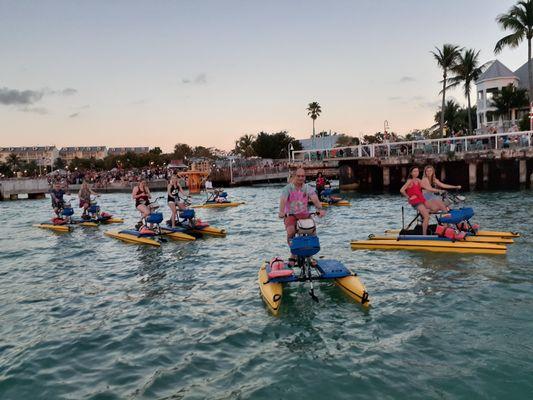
x=156 y=73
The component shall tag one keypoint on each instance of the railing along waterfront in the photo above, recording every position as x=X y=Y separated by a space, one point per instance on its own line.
x=259 y=170
x=461 y=144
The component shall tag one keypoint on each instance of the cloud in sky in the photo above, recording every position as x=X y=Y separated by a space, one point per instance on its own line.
x=407 y=79
x=69 y=92
x=420 y=101
x=15 y=97
x=35 y=110
x=74 y=115
x=200 y=79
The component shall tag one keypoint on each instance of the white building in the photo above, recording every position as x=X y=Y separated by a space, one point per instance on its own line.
x=44 y=156
x=118 y=151
x=68 y=154
x=319 y=142
x=496 y=77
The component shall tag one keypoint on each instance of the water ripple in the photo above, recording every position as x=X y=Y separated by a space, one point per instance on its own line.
x=85 y=316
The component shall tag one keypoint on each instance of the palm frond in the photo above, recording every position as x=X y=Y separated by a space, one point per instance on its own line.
x=513 y=40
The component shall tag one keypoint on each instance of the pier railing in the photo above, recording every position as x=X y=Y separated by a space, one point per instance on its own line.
x=461 y=144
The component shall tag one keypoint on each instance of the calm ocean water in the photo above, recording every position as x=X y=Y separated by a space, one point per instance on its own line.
x=84 y=316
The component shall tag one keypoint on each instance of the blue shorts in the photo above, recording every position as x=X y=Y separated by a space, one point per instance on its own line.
x=431 y=196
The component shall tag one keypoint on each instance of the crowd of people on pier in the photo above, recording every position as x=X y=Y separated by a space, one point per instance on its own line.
x=101 y=179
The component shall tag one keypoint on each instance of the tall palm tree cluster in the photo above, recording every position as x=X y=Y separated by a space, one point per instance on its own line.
x=465 y=69
x=464 y=66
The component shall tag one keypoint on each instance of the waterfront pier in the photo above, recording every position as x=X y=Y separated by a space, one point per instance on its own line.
x=11 y=189
x=492 y=161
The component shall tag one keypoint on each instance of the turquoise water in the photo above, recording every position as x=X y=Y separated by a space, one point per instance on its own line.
x=86 y=316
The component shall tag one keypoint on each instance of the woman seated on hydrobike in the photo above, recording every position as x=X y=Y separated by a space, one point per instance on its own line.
x=141 y=195
x=58 y=202
x=430 y=186
x=174 y=200
x=412 y=189
x=85 y=198
x=217 y=196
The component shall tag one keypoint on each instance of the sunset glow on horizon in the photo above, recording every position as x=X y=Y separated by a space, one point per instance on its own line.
x=132 y=73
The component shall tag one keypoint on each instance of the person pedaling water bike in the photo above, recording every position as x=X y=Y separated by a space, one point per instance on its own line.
x=84 y=196
x=174 y=200
x=430 y=186
x=320 y=183
x=293 y=205
x=141 y=195
x=217 y=196
x=326 y=195
x=412 y=189
x=58 y=202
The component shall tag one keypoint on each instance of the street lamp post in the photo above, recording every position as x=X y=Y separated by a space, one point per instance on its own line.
x=290 y=150
x=231 y=171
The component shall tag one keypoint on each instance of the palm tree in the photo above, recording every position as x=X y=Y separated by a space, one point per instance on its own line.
x=446 y=59
x=519 y=19
x=314 y=110
x=245 y=146
x=466 y=71
x=451 y=113
x=13 y=161
x=509 y=98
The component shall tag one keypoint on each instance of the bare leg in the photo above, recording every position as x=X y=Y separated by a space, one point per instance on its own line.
x=424 y=212
x=436 y=205
x=291 y=232
x=173 y=212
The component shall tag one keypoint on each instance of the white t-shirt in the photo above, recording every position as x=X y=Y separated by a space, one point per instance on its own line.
x=208 y=185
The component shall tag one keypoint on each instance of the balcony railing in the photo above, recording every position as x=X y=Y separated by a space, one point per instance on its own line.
x=461 y=144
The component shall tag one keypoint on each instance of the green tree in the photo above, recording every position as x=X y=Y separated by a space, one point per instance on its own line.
x=345 y=140
x=31 y=168
x=456 y=117
x=509 y=98
x=466 y=71
x=519 y=20
x=274 y=145
x=13 y=161
x=523 y=125
x=202 y=152
x=182 y=150
x=5 y=171
x=244 y=146
x=375 y=138
x=450 y=116
x=59 y=163
x=314 y=110
x=156 y=151
x=446 y=58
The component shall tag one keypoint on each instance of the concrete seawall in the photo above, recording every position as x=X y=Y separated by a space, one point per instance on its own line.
x=10 y=189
